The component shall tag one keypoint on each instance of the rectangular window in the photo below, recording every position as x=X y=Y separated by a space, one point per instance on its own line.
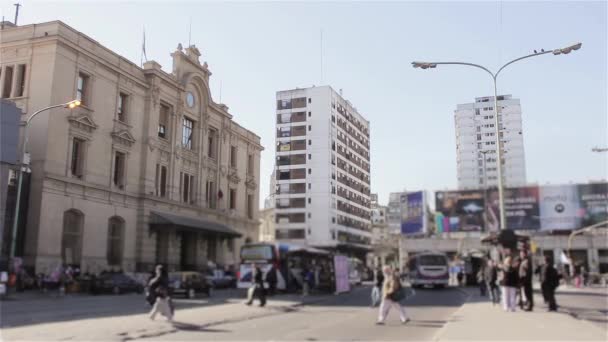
x=284 y=132
x=187 y=187
x=77 y=157
x=232 y=198
x=250 y=206
x=187 y=133
x=161 y=180
x=82 y=90
x=233 y=156
x=212 y=143
x=211 y=194
x=163 y=122
x=283 y=104
x=8 y=82
x=309 y=128
x=299 y=102
x=250 y=164
x=122 y=107
x=119 y=170
x=20 y=80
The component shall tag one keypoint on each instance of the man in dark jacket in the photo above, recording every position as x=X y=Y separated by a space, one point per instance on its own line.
x=549 y=280
x=525 y=281
x=271 y=278
x=259 y=291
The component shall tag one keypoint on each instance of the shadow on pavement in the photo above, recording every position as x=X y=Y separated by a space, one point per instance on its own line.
x=196 y=327
x=29 y=311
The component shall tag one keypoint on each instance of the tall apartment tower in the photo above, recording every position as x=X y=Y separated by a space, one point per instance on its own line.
x=322 y=170
x=475 y=138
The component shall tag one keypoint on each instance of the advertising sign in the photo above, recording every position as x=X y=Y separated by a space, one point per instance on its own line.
x=413 y=213
x=593 y=206
x=559 y=207
x=521 y=208
x=462 y=211
x=341 y=269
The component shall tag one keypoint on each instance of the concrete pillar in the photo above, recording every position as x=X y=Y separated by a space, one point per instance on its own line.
x=593 y=258
x=2 y=77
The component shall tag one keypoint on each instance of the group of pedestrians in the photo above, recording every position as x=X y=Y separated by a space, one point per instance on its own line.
x=514 y=276
x=388 y=292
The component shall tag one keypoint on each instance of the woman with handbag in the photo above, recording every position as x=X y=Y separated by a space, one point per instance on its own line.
x=393 y=294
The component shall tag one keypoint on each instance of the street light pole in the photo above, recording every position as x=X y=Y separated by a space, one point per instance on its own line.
x=25 y=161
x=485 y=186
x=432 y=65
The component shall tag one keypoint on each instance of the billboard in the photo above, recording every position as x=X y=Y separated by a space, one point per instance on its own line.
x=559 y=207
x=593 y=206
x=522 y=209
x=459 y=211
x=413 y=213
x=548 y=207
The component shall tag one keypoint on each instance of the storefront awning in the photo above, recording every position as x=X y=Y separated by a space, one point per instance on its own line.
x=160 y=220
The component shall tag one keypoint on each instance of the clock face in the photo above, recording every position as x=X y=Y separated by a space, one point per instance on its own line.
x=190 y=99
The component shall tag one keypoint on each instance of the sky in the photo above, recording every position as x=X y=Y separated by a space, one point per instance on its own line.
x=257 y=48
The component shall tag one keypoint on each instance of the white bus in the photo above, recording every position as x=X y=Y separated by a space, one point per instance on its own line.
x=429 y=268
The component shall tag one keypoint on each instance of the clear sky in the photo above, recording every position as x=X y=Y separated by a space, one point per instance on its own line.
x=257 y=48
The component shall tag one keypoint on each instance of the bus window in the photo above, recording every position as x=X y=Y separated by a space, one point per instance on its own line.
x=257 y=253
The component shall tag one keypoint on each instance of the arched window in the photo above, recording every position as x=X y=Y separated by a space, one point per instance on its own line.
x=115 y=240
x=71 y=241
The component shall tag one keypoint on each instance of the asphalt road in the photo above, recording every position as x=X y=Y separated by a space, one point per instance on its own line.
x=345 y=317
x=589 y=305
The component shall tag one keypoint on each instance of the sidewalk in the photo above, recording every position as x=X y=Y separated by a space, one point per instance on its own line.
x=123 y=328
x=479 y=320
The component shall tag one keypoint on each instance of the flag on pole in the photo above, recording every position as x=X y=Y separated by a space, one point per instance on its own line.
x=143 y=49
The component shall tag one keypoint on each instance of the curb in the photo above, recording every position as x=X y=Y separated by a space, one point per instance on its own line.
x=440 y=332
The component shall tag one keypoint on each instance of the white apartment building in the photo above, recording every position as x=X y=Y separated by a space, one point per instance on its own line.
x=322 y=170
x=475 y=134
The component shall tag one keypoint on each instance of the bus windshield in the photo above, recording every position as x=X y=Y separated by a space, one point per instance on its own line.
x=256 y=252
x=433 y=260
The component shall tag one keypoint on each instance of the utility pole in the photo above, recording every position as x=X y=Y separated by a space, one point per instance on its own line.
x=17 y=5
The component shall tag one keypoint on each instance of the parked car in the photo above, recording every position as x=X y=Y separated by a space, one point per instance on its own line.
x=189 y=284
x=220 y=279
x=115 y=283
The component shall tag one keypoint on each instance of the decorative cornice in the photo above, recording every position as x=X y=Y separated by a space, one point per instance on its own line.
x=251 y=183
x=233 y=176
x=83 y=122
x=123 y=137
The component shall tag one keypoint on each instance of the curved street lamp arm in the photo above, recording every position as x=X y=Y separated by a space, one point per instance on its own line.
x=468 y=64
x=42 y=110
x=520 y=58
x=27 y=123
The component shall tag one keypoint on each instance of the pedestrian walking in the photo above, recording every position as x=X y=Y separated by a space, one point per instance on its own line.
x=491 y=278
x=257 y=290
x=377 y=288
x=392 y=295
x=305 y=281
x=481 y=280
x=271 y=279
x=525 y=281
x=509 y=285
x=158 y=294
x=549 y=281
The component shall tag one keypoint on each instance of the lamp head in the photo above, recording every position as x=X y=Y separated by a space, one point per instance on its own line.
x=73 y=104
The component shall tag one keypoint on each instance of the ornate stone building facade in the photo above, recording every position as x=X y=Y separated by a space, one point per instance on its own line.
x=149 y=169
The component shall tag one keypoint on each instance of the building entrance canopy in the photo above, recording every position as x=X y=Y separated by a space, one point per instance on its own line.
x=160 y=220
